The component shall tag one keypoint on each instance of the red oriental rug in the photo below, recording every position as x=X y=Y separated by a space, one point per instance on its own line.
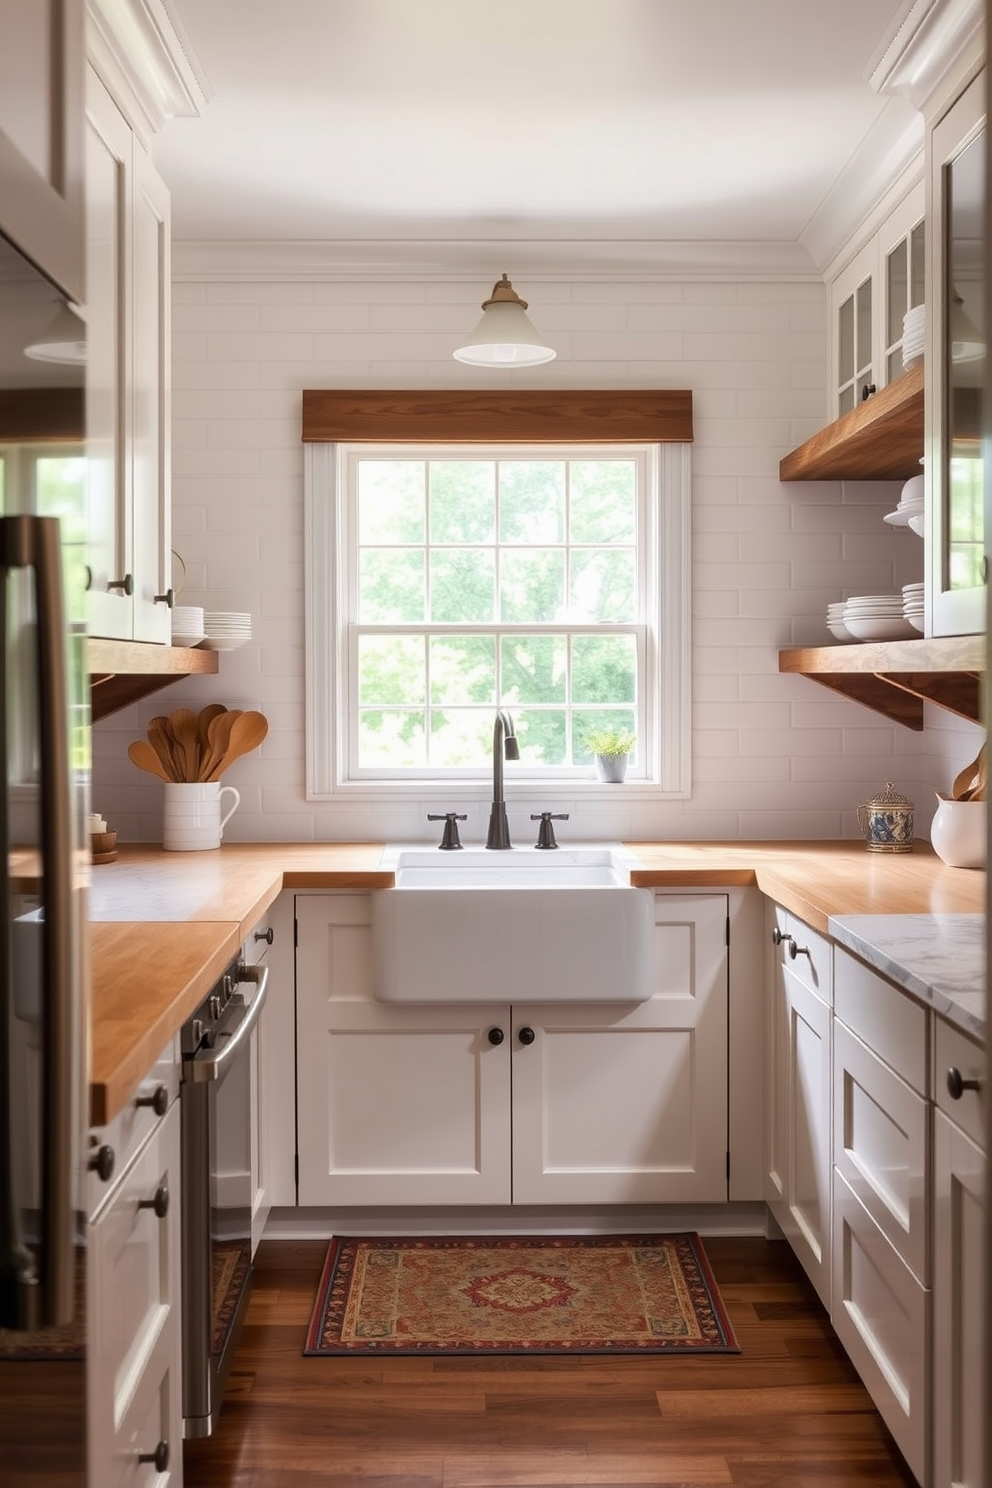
x=628 y=1294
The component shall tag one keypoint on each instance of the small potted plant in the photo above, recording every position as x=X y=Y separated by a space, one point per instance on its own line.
x=612 y=748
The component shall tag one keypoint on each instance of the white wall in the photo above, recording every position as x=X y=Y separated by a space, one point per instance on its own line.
x=773 y=756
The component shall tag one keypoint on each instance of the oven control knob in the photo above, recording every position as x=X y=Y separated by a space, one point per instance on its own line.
x=227 y=989
x=196 y=1032
x=215 y=1006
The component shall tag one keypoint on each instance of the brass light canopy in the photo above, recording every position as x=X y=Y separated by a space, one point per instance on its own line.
x=505 y=337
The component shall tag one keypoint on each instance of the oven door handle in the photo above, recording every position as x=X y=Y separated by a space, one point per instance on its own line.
x=212 y=1064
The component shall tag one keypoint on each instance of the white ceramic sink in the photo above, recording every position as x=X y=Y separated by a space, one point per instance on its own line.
x=517 y=926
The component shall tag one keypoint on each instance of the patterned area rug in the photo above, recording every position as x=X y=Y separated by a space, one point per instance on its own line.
x=631 y=1294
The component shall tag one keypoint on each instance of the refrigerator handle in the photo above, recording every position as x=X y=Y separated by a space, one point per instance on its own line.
x=34 y=542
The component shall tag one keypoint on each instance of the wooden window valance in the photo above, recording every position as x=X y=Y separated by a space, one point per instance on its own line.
x=455 y=417
x=34 y=415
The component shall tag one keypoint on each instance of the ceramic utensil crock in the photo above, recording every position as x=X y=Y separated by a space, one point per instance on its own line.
x=886 y=821
x=957 y=832
x=191 y=815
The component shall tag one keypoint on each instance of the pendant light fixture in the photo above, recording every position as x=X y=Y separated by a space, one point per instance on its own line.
x=63 y=340
x=967 y=343
x=504 y=336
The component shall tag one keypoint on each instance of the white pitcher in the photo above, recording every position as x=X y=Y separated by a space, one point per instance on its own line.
x=191 y=815
x=957 y=832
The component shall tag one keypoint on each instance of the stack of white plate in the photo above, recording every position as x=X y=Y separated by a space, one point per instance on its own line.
x=909 y=512
x=835 y=621
x=913 y=333
x=226 y=630
x=187 y=625
x=877 y=617
x=912 y=605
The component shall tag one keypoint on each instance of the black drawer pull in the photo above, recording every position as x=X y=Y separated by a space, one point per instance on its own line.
x=102 y=1163
x=267 y=935
x=159 y=1205
x=495 y=1036
x=158 y=1100
x=957 y=1084
x=160 y=1457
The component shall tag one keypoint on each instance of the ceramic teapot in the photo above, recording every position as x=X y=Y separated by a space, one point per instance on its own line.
x=886 y=821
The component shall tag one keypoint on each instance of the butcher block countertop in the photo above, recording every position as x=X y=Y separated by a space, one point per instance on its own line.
x=147 y=979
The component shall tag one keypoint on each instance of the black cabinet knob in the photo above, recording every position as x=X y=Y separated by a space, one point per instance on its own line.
x=158 y=1100
x=957 y=1084
x=495 y=1035
x=168 y=598
x=126 y=584
x=160 y=1457
x=158 y=1204
x=267 y=935
x=102 y=1163
x=526 y=1035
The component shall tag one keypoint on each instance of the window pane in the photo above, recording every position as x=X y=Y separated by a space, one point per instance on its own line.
x=390 y=585
x=604 y=669
x=863 y=318
x=389 y=737
x=532 y=669
x=603 y=501
x=917 y=256
x=604 y=585
x=461 y=736
x=391 y=669
x=462 y=501
x=845 y=342
x=463 y=669
x=462 y=584
x=532 y=584
x=390 y=501
x=532 y=501
x=542 y=735
x=897 y=284
x=587 y=721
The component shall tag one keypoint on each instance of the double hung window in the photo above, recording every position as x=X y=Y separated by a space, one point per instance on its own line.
x=447 y=581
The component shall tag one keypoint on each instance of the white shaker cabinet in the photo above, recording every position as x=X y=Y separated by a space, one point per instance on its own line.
x=881 y=1255
x=591 y=1103
x=960 y=1404
x=133 y=1287
x=798 y=1092
x=127 y=379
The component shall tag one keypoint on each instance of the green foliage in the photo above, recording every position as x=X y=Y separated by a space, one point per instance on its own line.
x=610 y=741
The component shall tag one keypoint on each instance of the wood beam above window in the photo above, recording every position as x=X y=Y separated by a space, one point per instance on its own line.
x=456 y=417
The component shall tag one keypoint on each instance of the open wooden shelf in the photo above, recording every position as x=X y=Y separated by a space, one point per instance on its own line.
x=881 y=439
x=122 y=672
x=895 y=678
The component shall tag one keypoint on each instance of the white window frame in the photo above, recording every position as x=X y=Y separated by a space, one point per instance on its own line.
x=664 y=737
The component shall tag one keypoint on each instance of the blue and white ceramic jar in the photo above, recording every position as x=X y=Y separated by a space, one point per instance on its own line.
x=886 y=822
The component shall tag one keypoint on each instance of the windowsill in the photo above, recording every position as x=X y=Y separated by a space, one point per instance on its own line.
x=527 y=791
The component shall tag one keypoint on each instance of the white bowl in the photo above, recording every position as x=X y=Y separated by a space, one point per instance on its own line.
x=895 y=628
x=839 y=630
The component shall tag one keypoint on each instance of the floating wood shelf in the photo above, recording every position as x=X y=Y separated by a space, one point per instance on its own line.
x=881 y=439
x=895 y=678
x=123 y=672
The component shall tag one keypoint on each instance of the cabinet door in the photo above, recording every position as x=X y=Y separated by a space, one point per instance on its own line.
x=853 y=301
x=959 y=1398
x=133 y=1258
x=628 y=1105
x=108 y=430
x=151 y=380
x=798 y=1170
x=41 y=156
x=956 y=362
x=901 y=277
x=396 y=1105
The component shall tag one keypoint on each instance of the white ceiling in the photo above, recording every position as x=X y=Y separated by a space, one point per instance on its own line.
x=526 y=120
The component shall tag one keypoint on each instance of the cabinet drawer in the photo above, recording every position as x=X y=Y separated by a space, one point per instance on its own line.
x=880 y=1146
x=953 y=1051
x=887 y=1019
x=132 y=1126
x=881 y=1314
x=134 y=1279
x=812 y=963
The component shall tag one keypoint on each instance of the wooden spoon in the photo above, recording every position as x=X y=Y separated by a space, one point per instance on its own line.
x=143 y=755
x=163 y=742
x=966 y=777
x=247 y=732
x=218 y=736
x=203 y=721
x=183 y=724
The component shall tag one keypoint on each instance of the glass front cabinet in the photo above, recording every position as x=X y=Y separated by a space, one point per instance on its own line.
x=955 y=538
x=869 y=300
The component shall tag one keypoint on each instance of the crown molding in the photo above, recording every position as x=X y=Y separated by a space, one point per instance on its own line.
x=142 y=44
x=935 y=39
x=450 y=261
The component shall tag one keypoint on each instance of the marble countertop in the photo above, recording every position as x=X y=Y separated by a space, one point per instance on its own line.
x=938 y=958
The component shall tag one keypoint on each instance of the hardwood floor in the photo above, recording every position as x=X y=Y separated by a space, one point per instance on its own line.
x=788 y=1412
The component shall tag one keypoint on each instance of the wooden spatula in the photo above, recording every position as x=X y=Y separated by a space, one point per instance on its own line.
x=247 y=732
x=183 y=725
x=968 y=778
x=218 y=735
x=143 y=755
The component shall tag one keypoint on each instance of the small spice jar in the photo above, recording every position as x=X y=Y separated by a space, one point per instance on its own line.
x=886 y=822
x=103 y=844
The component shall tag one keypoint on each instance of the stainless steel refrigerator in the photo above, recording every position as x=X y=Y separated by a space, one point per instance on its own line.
x=44 y=742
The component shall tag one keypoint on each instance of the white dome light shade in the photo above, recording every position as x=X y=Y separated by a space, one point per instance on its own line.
x=504 y=336
x=63 y=340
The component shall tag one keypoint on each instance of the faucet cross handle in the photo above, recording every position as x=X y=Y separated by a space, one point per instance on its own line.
x=449 y=837
x=546 y=832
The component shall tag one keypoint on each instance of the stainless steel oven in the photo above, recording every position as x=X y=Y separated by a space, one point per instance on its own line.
x=217 y=1194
